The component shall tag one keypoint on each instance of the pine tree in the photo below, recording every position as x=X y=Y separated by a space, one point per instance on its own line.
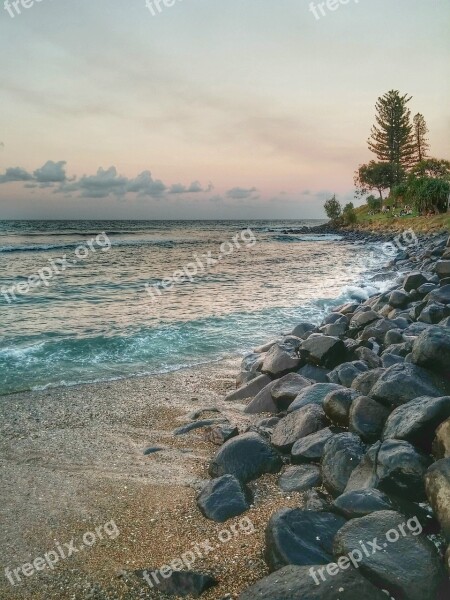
x=392 y=138
x=420 y=133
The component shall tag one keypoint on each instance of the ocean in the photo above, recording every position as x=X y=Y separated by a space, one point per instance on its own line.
x=85 y=301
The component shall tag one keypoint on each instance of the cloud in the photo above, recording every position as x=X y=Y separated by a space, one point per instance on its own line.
x=51 y=172
x=15 y=174
x=145 y=185
x=194 y=188
x=238 y=193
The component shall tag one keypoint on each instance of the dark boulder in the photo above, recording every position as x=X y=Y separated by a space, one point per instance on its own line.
x=246 y=456
x=316 y=374
x=280 y=360
x=176 y=583
x=220 y=434
x=413 y=281
x=249 y=389
x=302 y=329
x=315 y=394
x=287 y=388
x=337 y=405
x=432 y=350
x=417 y=421
x=223 y=498
x=300 y=537
x=362 y=319
x=365 y=382
x=437 y=485
x=263 y=401
x=441 y=295
x=323 y=350
x=311 y=447
x=398 y=299
x=297 y=425
x=367 y=418
x=300 y=478
x=434 y=313
x=342 y=454
x=346 y=373
x=369 y=357
x=295 y=583
x=359 y=503
x=407 y=565
x=441 y=443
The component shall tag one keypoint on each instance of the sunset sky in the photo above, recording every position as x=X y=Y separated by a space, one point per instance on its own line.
x=211 y=109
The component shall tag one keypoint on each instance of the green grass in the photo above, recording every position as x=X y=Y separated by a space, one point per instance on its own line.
x=386 y=222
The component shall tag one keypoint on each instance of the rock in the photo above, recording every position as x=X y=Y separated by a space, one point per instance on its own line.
x=417 y=420
x=250 y=389
x=153 y=450
x=300 y=537
x=300 y=478
x=389 y=360
x=442 y=268
x=251 y=362
x=224 y=498
x=426 y=288
x=414 y=281
x=287 y=388
x=441 y=443
x=342 y=454
x=359 y=503
x=347 y=372
x=295 y=583
x=316 y=374
x=365 y=382
x=177 y=583
x=337 y=405
x=369 y=357
x=334 y=329
x=378 y=330
x=437 y=485
x=220 y=434
x=198 y=425
x=298 y=424
x=394 y=336
x=402 y=383
x=323 y=350
x=400 y=469
x=263 y=402
x=314 y=394
x=246 y=456
x=362 y=319
x=303 y=328
x=441 y=295
x=316 y=500
x=311 y=447
x=365 y=475
x=432 y=350
x=245 y=377
x=434 y=313
x=406 y=565
x=367 y=418
x=201 y=411
x=398 y=299
x=279 y=361
x=265 y=347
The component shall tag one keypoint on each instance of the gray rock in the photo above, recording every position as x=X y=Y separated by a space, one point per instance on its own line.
x=432 y=350
x=437 y=485
x=342 y=454
x=263 y=401
x=246 y=456
x=408 y=568
x=311 y=447
x=303 y=328
x=295 y=583
x=300 y=478
x=287 y=389
x=441 y=443
x=347 y=372
x=417 y=420
x=198 y=425
x=442 y=268
x=441 y=295
x=223 y=498
x=297 y=425
x=359 y=503
x=367 y=418
x=369 y=357
x=337 y=405
x=413 y=281
x=362 y=319
x=322 y=350
x=279 y=361
x=365 y=382
x=179 y=583
x=314 y=394
x=220 y=434
x=398 y=299
x=250 y=389
x=316 y=374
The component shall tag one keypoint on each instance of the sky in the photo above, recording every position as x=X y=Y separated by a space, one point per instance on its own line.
x=205 y=109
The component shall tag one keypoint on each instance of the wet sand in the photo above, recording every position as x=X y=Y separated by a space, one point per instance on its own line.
x=73 y=459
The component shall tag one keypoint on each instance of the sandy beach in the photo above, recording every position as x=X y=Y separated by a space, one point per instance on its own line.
x=73 y=460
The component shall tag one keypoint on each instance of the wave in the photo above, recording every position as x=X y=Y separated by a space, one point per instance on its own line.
x=73 y=245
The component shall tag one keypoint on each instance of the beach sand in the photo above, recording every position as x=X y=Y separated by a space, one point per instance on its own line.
x=73 y=459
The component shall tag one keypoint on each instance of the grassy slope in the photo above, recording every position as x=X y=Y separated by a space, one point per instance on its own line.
x=384 y=222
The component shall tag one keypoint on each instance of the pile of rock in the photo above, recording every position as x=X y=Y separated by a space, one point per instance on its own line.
x=359 y=419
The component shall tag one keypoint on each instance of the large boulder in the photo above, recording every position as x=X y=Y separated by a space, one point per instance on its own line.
x=323 y=350
x=402 y=562
x=246 y=456
x=300 y=478
x=263 y=401
x=250 y=389
x=398 y=299
x=442 y=268
x=314 y=394
x=417 y=421
x=365 y=475
x=432 y=350
x=367 y=418
x=342 y=454
x=316 y=374
x=437 y=485
x=400 y=469
x=362 y=319
x=280 y=360
x=401 y=383
x=347 y=372
x=413 y=281
x=301 y=537
x=337 y=405
x=223 y=498
x=365 y=382
x=303 y=329
x=311 y=447
x=359 y=503
x=441 y=295
x=287 y=388
x=294 y=583
x=297 y=425
x=441 y=443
